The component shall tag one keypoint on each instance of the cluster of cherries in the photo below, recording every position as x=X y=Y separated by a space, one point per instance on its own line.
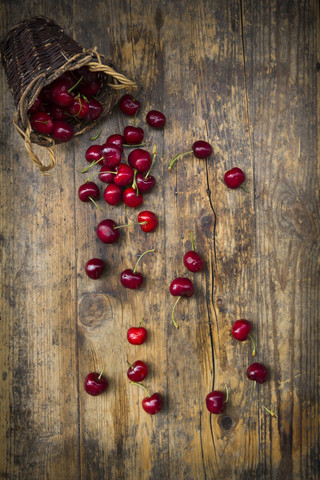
x=69 y=98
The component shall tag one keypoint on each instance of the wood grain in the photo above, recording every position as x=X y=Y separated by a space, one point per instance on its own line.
x=245 y=76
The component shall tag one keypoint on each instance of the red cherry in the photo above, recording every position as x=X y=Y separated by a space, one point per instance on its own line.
x=111 y=154
x=124 y=175
x=95 y=109
x=216 y=402
x=131 y=279
x=107 y=231
x=105 y=175
x=41 y=122
x=94 y=268
x=133 y=135
x=137 y=335
x=180 y=287
x=59 y=93
x=79 y=108
x=112 y=194
x=93 y=154
x=240 y=329
x=90 y=89
x=148 y=221
x=36 y=105
x=156 y=119
x=193 y=261
x=57 y=113
x=129 y=105
x=200 y=149
x=86 y=74
x=145 y=183
x=234 y=178
x=95 y=383
x=68 y=79
x=153 y=404
x=140 y=159
x=138 y=371
x=131 y=198
x=257 y=372
x=116 y=139
x=62 y=131
x=88 y=191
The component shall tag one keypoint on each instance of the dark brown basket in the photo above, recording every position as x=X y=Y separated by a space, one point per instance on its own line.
x=37 y=51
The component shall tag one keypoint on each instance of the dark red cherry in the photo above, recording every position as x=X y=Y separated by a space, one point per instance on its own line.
x=137 y=335
x=140 y=159
x=95 y=383
x=131 y=279
x=68 y=78
x=95 y=109
x=79 y=108
x=138 y=371
x=57 y=113
x=94 y=268
x=234 y=178
x=129 y=105
x=88 y=191
x=105 y=175
x=111 y=154
x=193 y=261
x=62 y=131
x=124 y=175
x=86 y=74
x=216 y=402
x=107 y=231
x=145 y=184
x=93 y=154
x=201 y=149
x=36 y=105
x=156 y=119
x=41 y=122
x=153 y=404
x=131 y=199
x=59 y=93
x=257 y=372
x=116 y=139
x=133 y=135
x=148 y=221
x=89 y=89
x=113 y=194
x=181 y=287
x=241 y=329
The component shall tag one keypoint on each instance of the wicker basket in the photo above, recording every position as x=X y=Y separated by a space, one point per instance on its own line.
x=37 y=51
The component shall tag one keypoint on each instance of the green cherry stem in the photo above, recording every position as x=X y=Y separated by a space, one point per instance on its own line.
x=175 y=158
x=270 y=411
x=91 y=165
x=104 y=366
x=134 y=183
x=141 y=321
x=254 y=345
x=130 y=225
x=139 y=91
x=98 y=134
x=147 y=251
x=75 y=85
x=130 y=365
x=243 y=188
x=154 y=153
x=172 y=314
x=142 y=386
x=192 y=243
x=227 y=396
x=134 y=145
x=41 y=121
x=95 y=204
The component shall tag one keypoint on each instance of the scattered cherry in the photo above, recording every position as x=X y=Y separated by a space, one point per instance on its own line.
x=138 y=371
x=111 y=154
x=89 y=191
x=234 y=178
x=113 y=194
x=216 y=401
x=257 y=372
x=93 y=154
x=123 y=175
x=156 y=119
x=132 y=198
x=131 y=278
x=129 y=105
x=95 y=383
x=137 y=335
x=200 y=149
x=107 y=231
x=140 y=159
x=133 y=135
x=41 y=122
x=148 y=221
x=180 y=287
x=105 y=175
x=116 y=139
x=94 y=268
x=241 y=331
x=192 y=259
x=145 y=183
x=151 y=404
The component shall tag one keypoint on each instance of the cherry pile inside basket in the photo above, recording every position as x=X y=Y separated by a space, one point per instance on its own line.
x=71 y=97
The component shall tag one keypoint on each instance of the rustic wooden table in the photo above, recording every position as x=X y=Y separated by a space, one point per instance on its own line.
x=242 y=75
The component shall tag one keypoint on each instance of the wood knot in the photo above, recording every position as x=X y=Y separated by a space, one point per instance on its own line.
x=226 y=423
x=95 y=309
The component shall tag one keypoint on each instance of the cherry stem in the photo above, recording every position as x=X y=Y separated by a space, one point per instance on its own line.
x=88 y=179
x=175 y=158
x=98 y=134
x=104 y=366
x=172 y=315
x=192 y=244
x=91 y=165
x=154 y=152
x=133 y=145
x=123 y=226
x=147 y=251
x=139 y=91
x=75 y=85
x=141 y=322
x=95 y=204
x=227 y=397
x=142 y=386
x=134 y=183
x=270 y=411
x=135 y=118
x=254 y=345
x=243 y=188
x=130 y=365
x=40 y=121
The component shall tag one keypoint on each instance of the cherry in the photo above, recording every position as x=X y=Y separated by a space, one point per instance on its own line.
x=148 y=221
x=68 y=78
x=131 y=278
x=133 y=135
x=116 y=139
x=156 y=119
x=60 y=93
x=89 y=191
x=93 y=154
x=257 y=372
x=36 y=105
x=140 y=159
x=79 y=108
x=216 y=401
x=90 y=89
x=200 y=149
x=192 y=259
x=95 y=383
x=108 y=231
x=151 y=404
x=137 y=335
x=241 y=331
x=132 y=198
x=62 y=131
x=86 y=74
x=105 y=175
x=180 y=287
x=124 y=175
x=94 y=268
x=234 y=178
x=95 y=109
x=57 y=113
x=129 y=105
x=137 y=371
x=111 y=154
x=113 y=194
x=145 y=183
x=41 y=122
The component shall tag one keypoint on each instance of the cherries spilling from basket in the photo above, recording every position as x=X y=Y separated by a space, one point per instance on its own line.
x=66 y=101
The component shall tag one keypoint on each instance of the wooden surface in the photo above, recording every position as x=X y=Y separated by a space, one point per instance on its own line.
x=243 y=75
